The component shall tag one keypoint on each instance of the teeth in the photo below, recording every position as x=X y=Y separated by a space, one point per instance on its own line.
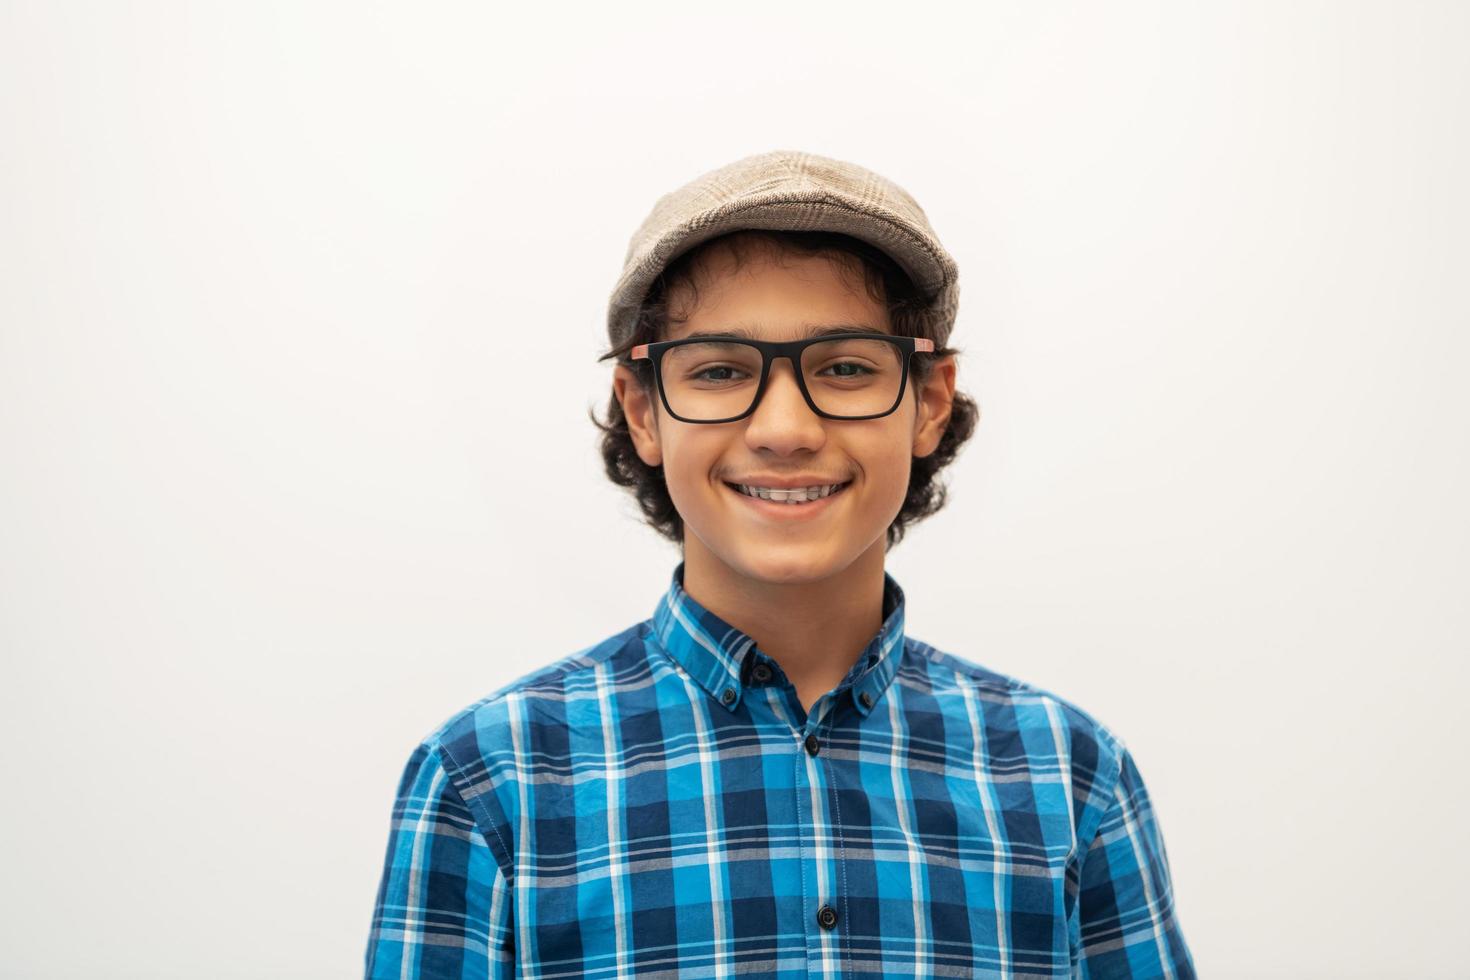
x=798 y=495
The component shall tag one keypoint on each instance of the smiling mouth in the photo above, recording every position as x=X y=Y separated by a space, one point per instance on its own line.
x=841 y=488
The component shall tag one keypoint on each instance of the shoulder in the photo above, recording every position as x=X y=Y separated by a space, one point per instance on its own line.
x=490 y=743
x=485 y=723
x=493 y=748
x=1045 y=722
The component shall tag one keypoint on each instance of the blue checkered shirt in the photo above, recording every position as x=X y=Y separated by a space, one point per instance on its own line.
x=660 y=804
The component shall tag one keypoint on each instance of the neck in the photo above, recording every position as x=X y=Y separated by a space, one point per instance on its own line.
x=814 y=627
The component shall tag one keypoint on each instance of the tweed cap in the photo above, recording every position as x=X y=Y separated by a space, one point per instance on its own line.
x=794 y=191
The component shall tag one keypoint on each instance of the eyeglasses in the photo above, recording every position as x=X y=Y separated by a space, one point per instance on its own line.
x=847 y=376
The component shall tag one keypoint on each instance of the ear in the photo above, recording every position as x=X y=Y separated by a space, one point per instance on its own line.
x=936 y=400
x=641 y=413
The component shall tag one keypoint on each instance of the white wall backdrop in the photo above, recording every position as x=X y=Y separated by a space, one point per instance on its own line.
x=298 y=324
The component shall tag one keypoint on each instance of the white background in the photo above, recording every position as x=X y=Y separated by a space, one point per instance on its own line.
x=299 y=314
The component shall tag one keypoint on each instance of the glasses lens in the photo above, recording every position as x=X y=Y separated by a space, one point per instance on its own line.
x=717 y=379
x=853 y=377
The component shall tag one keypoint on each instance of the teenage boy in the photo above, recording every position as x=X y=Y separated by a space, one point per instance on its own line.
x=769 y=775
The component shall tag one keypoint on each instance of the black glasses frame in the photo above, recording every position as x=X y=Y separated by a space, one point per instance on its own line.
x=792 y=349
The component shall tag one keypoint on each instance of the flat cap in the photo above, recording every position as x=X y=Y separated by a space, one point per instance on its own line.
x=794 y=191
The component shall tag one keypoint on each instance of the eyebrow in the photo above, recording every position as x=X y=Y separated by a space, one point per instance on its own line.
x=741 y=333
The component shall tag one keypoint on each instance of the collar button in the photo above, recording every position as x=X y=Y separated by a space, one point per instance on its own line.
x=867 y=699
x=761 y=673
x=729 y=696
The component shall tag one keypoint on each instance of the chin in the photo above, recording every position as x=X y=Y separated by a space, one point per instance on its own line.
x=795 y=564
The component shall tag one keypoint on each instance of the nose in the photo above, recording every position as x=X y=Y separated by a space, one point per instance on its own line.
x=783 y=394
x=782 y=420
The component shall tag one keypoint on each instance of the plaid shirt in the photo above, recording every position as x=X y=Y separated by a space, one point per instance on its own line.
x=661 y=804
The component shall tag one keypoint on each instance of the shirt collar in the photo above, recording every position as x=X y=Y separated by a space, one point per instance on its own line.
x=718 y=656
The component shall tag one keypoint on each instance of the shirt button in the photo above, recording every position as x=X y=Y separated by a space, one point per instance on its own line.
x=729 y=696
x=812 y=745
x=761 y=673
x=867 y=699
x=826 y=917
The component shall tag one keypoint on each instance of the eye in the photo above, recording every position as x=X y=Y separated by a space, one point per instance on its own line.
x=861 y=369
x=702 y=374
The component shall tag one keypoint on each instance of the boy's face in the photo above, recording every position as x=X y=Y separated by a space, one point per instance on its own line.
x=780 y=299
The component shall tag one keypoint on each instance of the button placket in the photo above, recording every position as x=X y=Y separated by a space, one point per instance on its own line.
x=821 y=843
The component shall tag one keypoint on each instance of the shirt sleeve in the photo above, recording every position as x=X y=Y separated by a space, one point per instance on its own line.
x=444 y=906
x=1128 y=929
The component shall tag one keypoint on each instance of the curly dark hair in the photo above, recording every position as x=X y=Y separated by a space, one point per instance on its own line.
x=886 y=283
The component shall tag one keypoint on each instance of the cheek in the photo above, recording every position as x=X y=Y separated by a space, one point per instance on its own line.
x=888 y=472
x=688 y=466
